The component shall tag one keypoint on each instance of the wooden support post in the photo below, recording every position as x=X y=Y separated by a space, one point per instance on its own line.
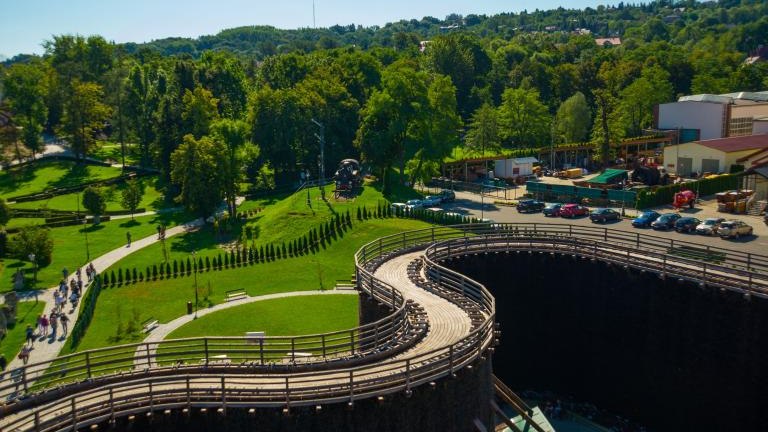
x=352 y=340
x=88 y=364
x=261 y=350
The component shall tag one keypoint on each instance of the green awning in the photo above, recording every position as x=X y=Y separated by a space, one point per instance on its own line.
x=610 y=176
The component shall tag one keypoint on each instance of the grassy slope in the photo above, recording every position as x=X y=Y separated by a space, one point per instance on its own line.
x=278 y=317
x=166 y=299
x=152 y=199
x=69 y=246
x=45 y=175
x=27 y=313
x=108 y=150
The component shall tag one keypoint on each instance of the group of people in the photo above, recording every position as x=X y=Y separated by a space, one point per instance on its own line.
x=57 y=316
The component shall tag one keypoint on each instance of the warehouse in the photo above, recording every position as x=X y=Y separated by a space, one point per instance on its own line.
x=711 y=156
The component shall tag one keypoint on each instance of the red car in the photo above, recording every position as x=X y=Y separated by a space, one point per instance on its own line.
x=573 y=210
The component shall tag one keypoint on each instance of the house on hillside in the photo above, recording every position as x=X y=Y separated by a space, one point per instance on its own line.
x=608 y=42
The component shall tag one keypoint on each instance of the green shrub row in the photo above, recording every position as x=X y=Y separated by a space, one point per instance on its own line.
x=665 y=194
x=87 y=306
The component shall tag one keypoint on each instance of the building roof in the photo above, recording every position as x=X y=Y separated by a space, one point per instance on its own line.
x=751 y=155
x=525 y=160
x=735 y=144
x=608 y=41
x=610 y=176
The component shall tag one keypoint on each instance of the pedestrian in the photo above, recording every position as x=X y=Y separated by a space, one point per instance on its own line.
x=79 y=274
x=24 y=354
x=30 y=335
x=54 y=320
x=73 y=299
x=128 y=237
x=44 y=323
x=40 y=324
x=88 y=272
x=64 y=322
x=65 y=272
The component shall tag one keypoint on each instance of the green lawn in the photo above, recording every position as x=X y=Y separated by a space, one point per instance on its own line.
x=166 y=299
x=70 y=246
x=20 y=222
x=26 y=313
x=291 y=316
x=280 y=220
x=152 y=200
x=38 y=177
x=112 y=152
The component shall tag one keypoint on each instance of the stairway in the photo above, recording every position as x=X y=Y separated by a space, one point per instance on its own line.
x=758 y=208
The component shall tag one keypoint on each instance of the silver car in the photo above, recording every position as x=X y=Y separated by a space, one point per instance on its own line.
x=734 y=229
x=414 y=204
x=709 y=226
x=432 y=201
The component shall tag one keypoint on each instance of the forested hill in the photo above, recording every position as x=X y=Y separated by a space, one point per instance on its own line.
x=657 y=20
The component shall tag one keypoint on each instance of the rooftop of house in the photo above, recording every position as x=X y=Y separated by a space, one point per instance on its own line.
x=741 y=98
x=608 y=41
x=737 y=144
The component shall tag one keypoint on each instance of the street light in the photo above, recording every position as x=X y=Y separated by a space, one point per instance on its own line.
x=34 y=265
x=194 y=270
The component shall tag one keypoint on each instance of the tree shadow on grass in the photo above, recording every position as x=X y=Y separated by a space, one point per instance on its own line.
x=130 y=223
x=92 y=228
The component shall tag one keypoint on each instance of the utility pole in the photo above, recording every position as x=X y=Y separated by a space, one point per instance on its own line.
x=321 y=162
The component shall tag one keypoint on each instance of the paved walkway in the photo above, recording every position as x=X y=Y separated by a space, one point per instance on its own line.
x=163 y=330
x=48 y=348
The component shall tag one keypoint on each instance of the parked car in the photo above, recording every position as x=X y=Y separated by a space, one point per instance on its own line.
x=529 y=206
x=431 y=201
x=645 y=219
x=686 y=224
x=665 y=221
x=414 y=204
x=552 y=209
x=709 y=226
x=573 y=210
x=603 y=215
x=733 y=229
x=447 y=195
x=398 y=207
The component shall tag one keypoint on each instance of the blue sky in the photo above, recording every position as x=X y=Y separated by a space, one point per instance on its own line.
x=25 y=24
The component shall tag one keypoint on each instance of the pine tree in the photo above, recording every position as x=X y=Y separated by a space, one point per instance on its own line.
x=200 y=264
x=238 y=257
x=167 y=270
x=181 y=268
x=231 y=258
x=120 y=276
x=127 y=277
x=135 y=275
x=359 y=214
x=189 y=266
x=148 y=273
x=226 y=260
x=283 y=248
x=207 y=264
x=175 y=268
x=112 y=278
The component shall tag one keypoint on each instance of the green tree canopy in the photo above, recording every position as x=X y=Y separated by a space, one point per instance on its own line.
x=523 y=119
x=32 y=240
x=572 y=122
x=131 y=195
x=84 y=115
x=94 y=201
x=200 y=109
x=196 y=169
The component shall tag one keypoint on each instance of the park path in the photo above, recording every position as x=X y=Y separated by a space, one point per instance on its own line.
x=163 y=330
x=48 y=348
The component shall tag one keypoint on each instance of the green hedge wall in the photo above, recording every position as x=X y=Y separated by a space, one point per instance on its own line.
x=665 y=194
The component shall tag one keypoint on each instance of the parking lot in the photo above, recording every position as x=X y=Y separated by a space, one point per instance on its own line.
x=471 y=204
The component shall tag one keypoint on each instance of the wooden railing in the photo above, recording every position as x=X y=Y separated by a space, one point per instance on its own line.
x=183 y=378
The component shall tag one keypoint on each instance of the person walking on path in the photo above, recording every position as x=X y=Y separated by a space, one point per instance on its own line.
x=30 y=335
x=54 y=320
x=24 y=354
x=44 y=324
x=64 y=324
x=128 y=237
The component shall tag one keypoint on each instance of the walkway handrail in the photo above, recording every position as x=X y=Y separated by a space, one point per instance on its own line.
x=215 y=384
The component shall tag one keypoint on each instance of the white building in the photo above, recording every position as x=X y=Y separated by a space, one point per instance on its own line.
x=706 y=116
x=712 y=156
x=514 y=167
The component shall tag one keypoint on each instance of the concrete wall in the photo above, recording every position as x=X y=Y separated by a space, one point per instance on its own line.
x=506 y=169
x=760 y=127
x=705 y=116
x=670 y=355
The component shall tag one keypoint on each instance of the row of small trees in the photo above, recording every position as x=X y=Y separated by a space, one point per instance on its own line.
x=316 y=238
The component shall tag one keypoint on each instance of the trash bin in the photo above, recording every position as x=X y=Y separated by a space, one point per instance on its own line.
x=189 y=307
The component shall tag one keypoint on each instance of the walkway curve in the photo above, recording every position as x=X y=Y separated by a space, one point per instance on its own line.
x=384 y=271
x=163 y=330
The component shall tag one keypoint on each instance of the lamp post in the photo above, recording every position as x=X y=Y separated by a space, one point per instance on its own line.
x=194 y=271
x=34 y=265
x=87 y=249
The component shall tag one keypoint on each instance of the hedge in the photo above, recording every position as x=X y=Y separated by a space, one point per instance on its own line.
x=87 y=306
x=665 y=194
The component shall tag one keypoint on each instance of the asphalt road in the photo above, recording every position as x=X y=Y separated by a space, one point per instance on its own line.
x=471 y=204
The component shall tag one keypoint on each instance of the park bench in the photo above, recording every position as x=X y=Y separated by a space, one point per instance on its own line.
x=150 y=325
x=254 y=337
x=236 y=294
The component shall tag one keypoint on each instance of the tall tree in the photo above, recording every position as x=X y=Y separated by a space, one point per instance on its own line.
x=653 y=87
x=523 y=119
x=141 y=105
x=200 y=109
x=24 y=86
x=195 y=169
x=572 y=122
x=84 y=115
x=483 y=133
x=240 y=152
x=95 y=202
